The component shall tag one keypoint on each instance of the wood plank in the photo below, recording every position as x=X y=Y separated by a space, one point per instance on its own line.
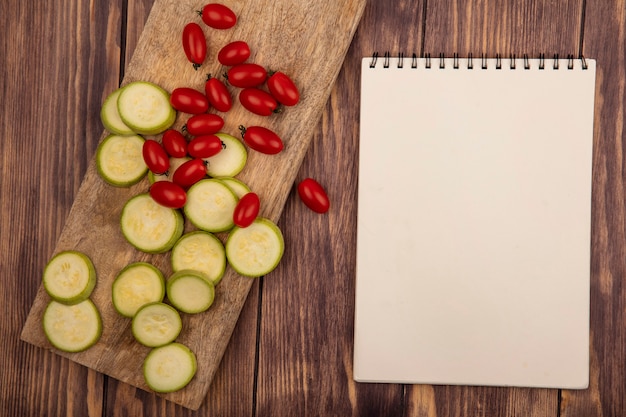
x=31 y=376
x=305 y=358
x=137 y=13
x=93 y=224
x=490 y=28
x=231 y=391
x=52 y=80
x=604 y=40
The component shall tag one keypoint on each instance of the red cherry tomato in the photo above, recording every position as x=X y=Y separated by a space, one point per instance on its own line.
x=155 y=157
x=246 y=75
x=261 y=139
x=189 y=173
x=218 y=94
x=246 y=210
x=283 y=89
x=194 y=44
x=168 y=194
x=204 y=146
x=258 y=101
x=218 y=16
x=204 y=124
x=234 y=53
x=313 y=195
x=188 y=100
x=174 y=143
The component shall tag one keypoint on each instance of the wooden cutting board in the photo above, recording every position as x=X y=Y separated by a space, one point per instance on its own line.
x=308 y=41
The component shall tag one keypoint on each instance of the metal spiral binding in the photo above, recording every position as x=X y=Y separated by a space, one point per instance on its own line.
x=470 y=61
x=374 y=59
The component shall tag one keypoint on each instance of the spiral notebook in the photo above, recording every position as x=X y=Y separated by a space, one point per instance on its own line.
x=474 y=217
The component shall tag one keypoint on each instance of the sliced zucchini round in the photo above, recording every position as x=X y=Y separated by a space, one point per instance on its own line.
x=72 y=328
x=200 y=251
x=156 y=324
x=145 y=108
x=190 y=291
x=230 y=161
x=119 y=160
x=149 y=226
x=255 y=250
x=110 y=116
x=210 y=205
x=136 y=285
x=69 y=277
x=169 y=368
x=236 y=186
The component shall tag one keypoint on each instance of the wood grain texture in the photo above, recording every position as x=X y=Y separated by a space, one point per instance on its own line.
x=232 y=389
x=231 y=392
x=606 y=395
x=51 y=83
x=93 y=225
x=490 y=28
x=308 y=312
x=305 y=328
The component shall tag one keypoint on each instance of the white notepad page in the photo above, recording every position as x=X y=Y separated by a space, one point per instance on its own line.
x=474 y=214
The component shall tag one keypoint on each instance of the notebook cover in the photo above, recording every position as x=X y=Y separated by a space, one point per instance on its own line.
x=474 y=213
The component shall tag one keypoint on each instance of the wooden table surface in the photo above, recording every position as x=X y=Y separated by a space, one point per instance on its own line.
x=291 y=352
